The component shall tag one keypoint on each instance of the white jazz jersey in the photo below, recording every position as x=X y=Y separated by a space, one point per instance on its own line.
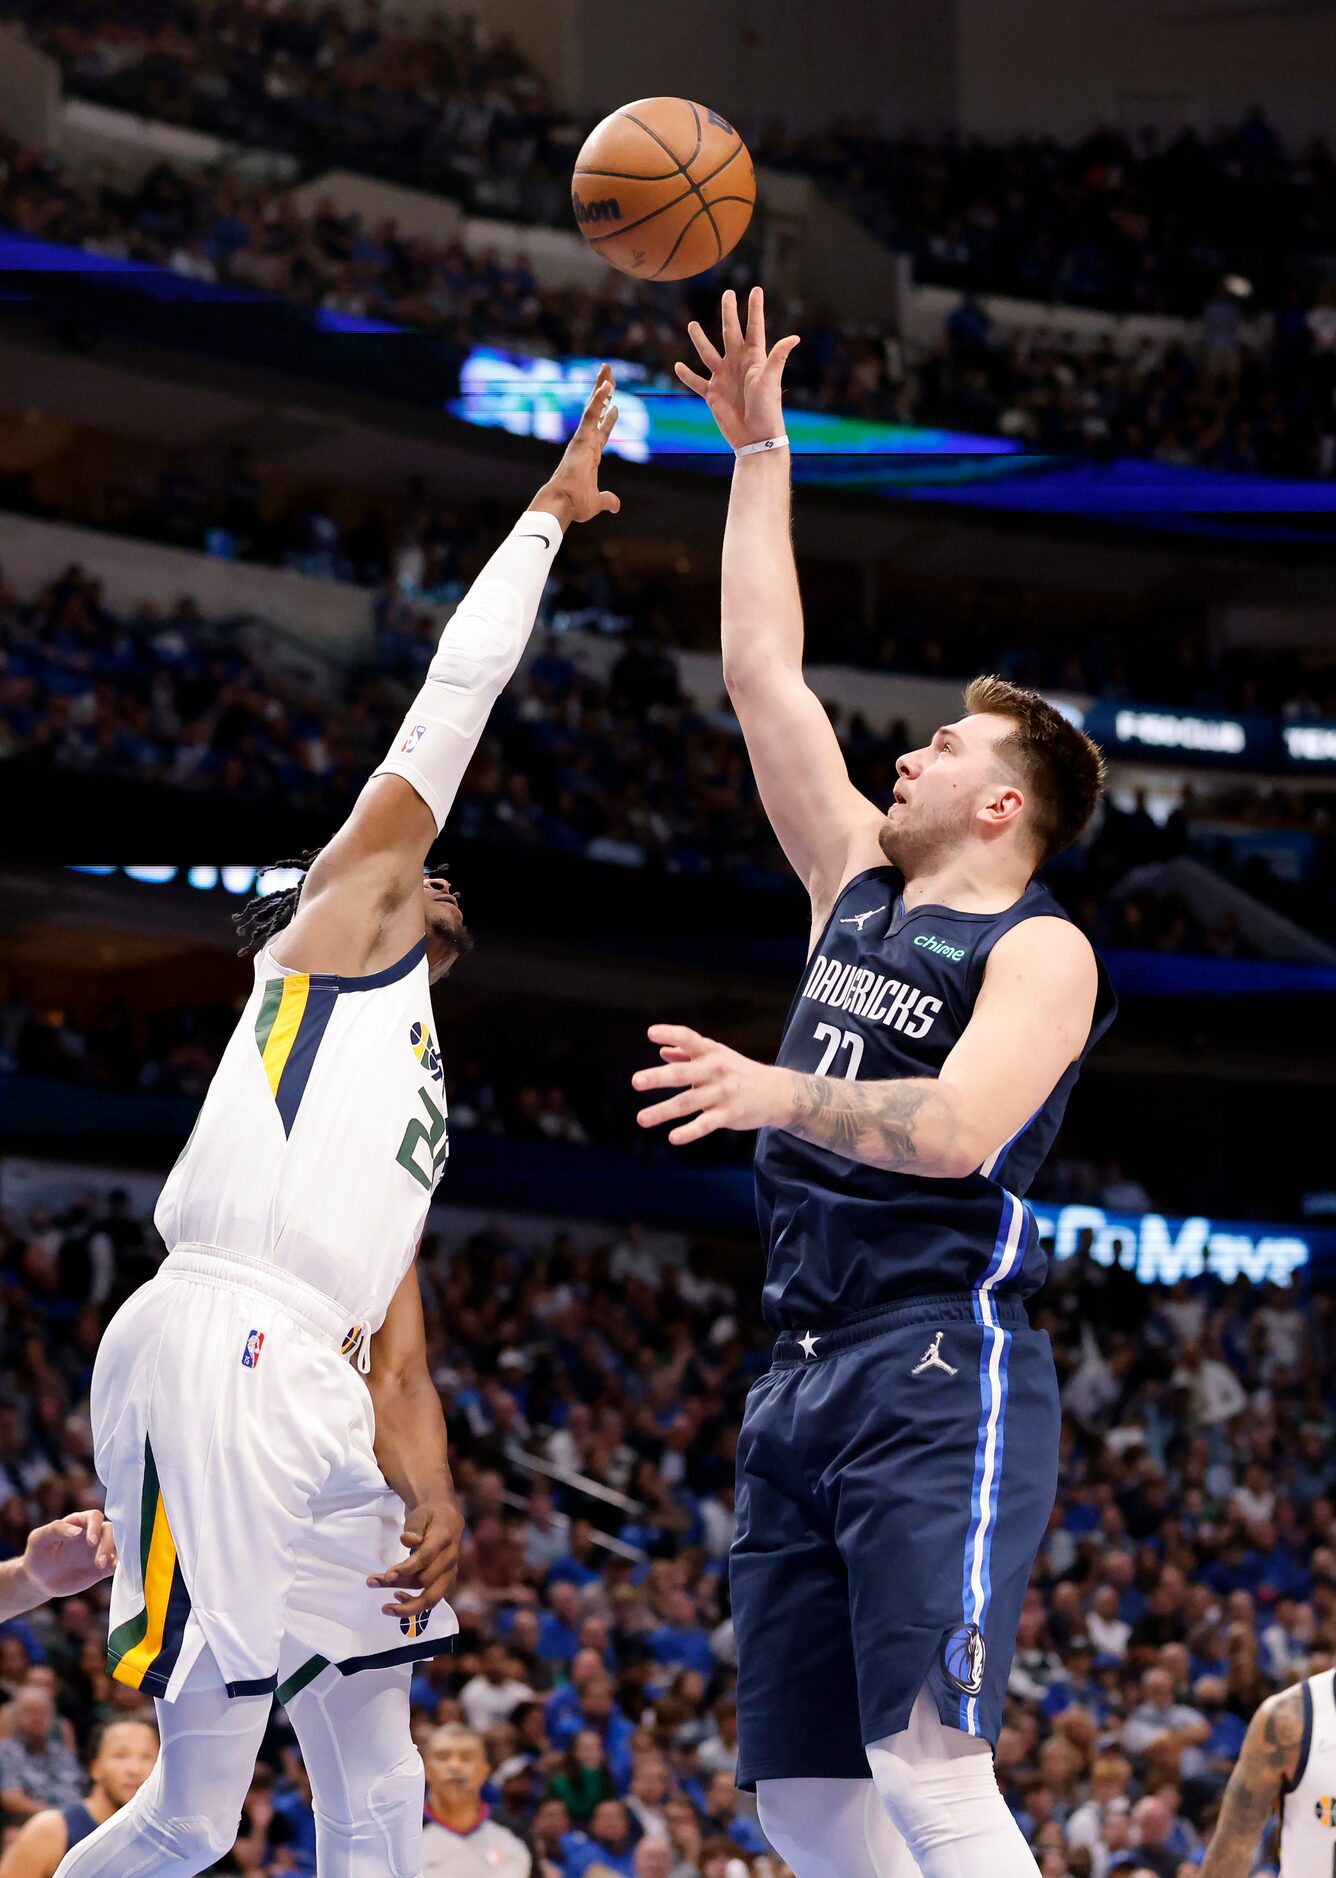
x=1308 y=1816
x=322 y=1135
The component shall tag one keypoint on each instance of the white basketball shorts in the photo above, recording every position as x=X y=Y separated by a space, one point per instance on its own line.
x=235 y=1442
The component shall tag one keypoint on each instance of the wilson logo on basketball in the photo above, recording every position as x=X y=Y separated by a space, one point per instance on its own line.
x=606 y=209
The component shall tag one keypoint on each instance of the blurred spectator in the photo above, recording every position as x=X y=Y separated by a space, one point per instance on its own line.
x=38 y=1769
x=121 y=1756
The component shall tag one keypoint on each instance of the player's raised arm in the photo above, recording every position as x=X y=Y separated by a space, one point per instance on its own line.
x=361 y=902
x=825 y=826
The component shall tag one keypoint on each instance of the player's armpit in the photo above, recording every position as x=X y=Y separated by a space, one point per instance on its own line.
x=361 y=902
x=1031 y=1021
x=1266 y=1765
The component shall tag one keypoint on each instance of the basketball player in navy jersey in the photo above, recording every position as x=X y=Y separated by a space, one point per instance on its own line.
x=897 y=1464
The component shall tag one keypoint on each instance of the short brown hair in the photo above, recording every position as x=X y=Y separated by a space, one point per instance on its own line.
x=1062 y=769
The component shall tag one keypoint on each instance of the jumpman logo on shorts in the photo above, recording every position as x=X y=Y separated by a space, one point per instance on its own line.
x=860 y=919
x=932 y=1358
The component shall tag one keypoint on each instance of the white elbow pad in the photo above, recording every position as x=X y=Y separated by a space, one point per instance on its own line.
x=478 y=653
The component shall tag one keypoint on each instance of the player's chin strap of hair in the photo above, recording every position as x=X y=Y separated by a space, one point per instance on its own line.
x=478 y=653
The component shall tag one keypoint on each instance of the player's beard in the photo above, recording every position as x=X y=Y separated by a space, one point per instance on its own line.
x=915 y=839
x=450 y=934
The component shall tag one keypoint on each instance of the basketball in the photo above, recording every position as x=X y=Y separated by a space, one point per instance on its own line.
x=663 y=189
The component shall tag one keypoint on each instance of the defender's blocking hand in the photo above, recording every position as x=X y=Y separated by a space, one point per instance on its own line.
x=572 y=493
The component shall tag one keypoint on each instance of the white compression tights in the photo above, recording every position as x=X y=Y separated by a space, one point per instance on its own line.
x=831 y=1829
x=366 y=1781
x=940 y=1810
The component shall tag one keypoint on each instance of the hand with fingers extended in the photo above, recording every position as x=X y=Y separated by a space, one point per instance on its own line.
x=572 y=493
x=432 y=1533
x=720 y=1087
x=744 y=386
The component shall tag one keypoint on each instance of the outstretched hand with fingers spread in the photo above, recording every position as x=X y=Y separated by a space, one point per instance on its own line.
x=575 y=479
x=720 y=1087
x=744 y=386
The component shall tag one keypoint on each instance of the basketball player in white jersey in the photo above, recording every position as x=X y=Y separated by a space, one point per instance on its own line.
x=1287 y=1765
x=257 y=1486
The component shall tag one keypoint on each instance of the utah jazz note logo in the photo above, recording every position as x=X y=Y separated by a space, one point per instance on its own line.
x=415 y=1625
x=963 y=1656
x=426 y=1052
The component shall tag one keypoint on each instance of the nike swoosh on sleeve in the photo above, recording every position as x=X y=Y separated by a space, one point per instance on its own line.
x=527 y=536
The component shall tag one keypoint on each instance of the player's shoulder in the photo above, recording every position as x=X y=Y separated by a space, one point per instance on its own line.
x=1280 y=1726
x=47 y=1832
x=1044 y=941
x=864 y=864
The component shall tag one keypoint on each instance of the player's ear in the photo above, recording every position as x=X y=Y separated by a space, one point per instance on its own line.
x=1004 y=806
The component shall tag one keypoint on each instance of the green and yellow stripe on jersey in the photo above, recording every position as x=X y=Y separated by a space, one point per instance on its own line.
x=143 y=1651
x=291 y=1020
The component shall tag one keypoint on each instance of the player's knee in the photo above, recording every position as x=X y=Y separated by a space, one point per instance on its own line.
x=936 y=1801
x=385 y=1840
x=395 y=1802
x=192 y=1843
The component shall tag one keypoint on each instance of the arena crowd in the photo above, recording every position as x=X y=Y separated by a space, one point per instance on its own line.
x=1131 y=222
x=1224 y=399
x=623 y=770
x=1190 y=1566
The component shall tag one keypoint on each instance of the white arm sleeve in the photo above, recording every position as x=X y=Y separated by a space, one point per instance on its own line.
x=478 y=653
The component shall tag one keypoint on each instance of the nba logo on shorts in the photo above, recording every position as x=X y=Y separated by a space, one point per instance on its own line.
x=413 y=739
x=415 y=1625
x=250 y=1356
x=963 y=1656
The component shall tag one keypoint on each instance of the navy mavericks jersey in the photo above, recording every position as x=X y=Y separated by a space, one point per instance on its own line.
x=886 y=994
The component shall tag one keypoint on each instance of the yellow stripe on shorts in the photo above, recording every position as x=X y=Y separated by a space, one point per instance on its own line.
x=158 y=1572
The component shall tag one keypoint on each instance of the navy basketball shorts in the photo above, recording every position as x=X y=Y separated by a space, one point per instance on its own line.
x=894 y=1481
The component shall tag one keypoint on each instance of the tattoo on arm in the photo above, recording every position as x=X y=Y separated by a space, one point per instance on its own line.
x=903 y=1126
x=1266 y=1764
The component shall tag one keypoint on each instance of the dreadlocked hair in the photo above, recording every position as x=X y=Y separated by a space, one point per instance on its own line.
x=266 y=914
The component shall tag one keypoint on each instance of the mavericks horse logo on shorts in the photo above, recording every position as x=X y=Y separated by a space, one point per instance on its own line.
x=963 y=1655
x=250 y=1356
x=415 y=1625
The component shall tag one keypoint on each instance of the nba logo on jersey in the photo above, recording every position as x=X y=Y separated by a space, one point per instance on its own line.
x=413 y=739
x=415 y=1625
x=250 y=1356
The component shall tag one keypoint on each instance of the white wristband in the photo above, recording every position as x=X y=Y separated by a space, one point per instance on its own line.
x=770 y=443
